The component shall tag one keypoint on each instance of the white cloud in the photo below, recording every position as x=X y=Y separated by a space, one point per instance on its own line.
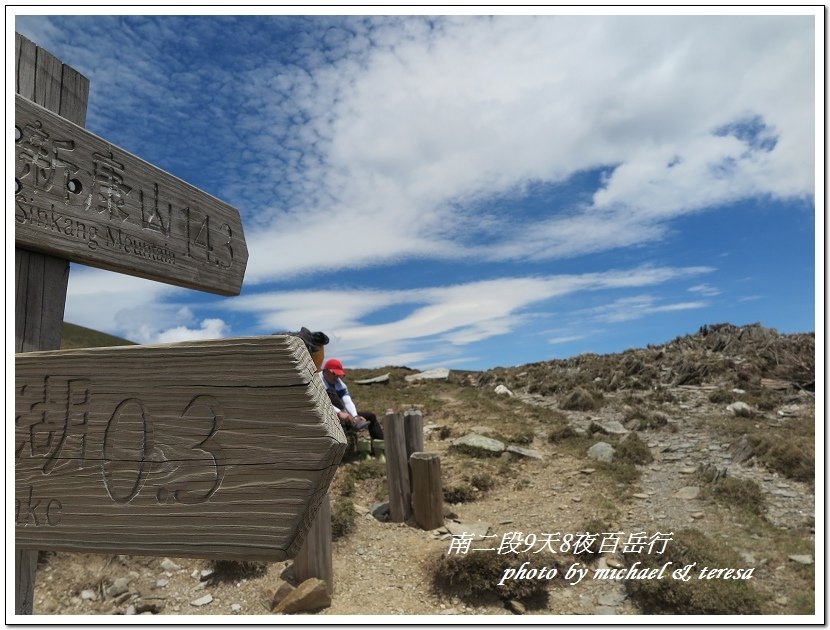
x=705 y=290
x=209 y=329
x=447 y=318
x=637 y=307
x=125 y=305
x=402 y=142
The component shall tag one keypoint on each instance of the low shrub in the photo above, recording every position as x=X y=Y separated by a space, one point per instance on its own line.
x=343 y=518
x=695 y=596
x=476 y=575
x=633 y=450
x=561 y=432
x=581 y=399
x=461 y=493
x=483 y=481
x=234 y=570
x=733 y=492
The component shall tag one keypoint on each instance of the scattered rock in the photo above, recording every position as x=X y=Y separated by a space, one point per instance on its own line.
x=688 y=493
x=311 y=595
x=740 y=408
x=381 y=511
x=614 y=563
x=89 y=595
x=501 y=390
x=516 y=607
x=478 y=530
x=478 y=445
x=162 y=583
x=272 y=598
x=801 y=559
x=236 y=608
x=602 y=451
x=120 y=586
x=608 y=427
x=168 y=565
x=741 y=451
x=384 y=378
x=204 y=600
x=524 y=452
x=429 y=375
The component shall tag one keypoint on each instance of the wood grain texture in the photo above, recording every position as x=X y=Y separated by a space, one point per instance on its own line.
x=414 y=431
x=41 y=280
x=427 y=491
x=397 y=467
x=81 y=198
x=214 y=449
x=314 y=560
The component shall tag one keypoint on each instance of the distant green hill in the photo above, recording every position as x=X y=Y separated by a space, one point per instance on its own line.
x=75 y=336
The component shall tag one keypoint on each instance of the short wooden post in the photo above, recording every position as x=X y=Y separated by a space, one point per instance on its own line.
x=41 y=280
x=427 y=493
x=414 y=430
x=314 y=558
x=397 y=468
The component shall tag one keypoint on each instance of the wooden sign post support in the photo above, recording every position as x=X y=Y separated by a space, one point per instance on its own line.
x=213 y=449
x=41 y=280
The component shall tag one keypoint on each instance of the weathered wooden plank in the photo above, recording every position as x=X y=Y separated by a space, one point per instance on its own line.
x=207 y=449
x=81 y=198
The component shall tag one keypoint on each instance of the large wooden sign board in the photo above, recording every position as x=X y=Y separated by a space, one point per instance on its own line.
x=79 y=197
x=219 y=449
x=212 y=449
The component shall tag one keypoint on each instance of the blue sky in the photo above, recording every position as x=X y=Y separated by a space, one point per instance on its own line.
x=468 y=191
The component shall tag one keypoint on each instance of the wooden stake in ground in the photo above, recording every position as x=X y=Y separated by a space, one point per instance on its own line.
x=397 y=467
x=427 y=492
x=314 y=560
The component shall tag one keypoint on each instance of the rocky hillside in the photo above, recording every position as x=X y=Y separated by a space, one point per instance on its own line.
x=709 y=439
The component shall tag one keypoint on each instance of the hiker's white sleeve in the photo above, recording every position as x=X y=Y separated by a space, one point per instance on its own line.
x=347 y=400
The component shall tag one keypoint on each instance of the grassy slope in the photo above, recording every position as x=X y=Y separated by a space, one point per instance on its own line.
x=75 y=336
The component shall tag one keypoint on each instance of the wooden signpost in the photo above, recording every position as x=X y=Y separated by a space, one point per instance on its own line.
x=216 y=449
x=211 y=449
x=80 y=198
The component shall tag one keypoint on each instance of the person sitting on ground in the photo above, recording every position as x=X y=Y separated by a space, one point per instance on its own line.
x=332 y=378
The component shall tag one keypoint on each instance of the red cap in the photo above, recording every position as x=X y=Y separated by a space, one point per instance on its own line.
x=334 y=366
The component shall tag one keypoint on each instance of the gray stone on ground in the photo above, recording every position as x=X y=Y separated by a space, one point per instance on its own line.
x=608 y=427
x=168 y=565
x=688 y=493
x=741 y=450
x=479 y=445
x=278 y=594
x=739 y=408
x=501 y=390
x=429 y=375
x=381 y=511
x=602 y=451
x=477 y=530
x=89 y=595
x=516 y=607
x=308 y=596
x=204 y=600
x=801 y=559
x=524 y=452
x=120 y=586
x=383 y=378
